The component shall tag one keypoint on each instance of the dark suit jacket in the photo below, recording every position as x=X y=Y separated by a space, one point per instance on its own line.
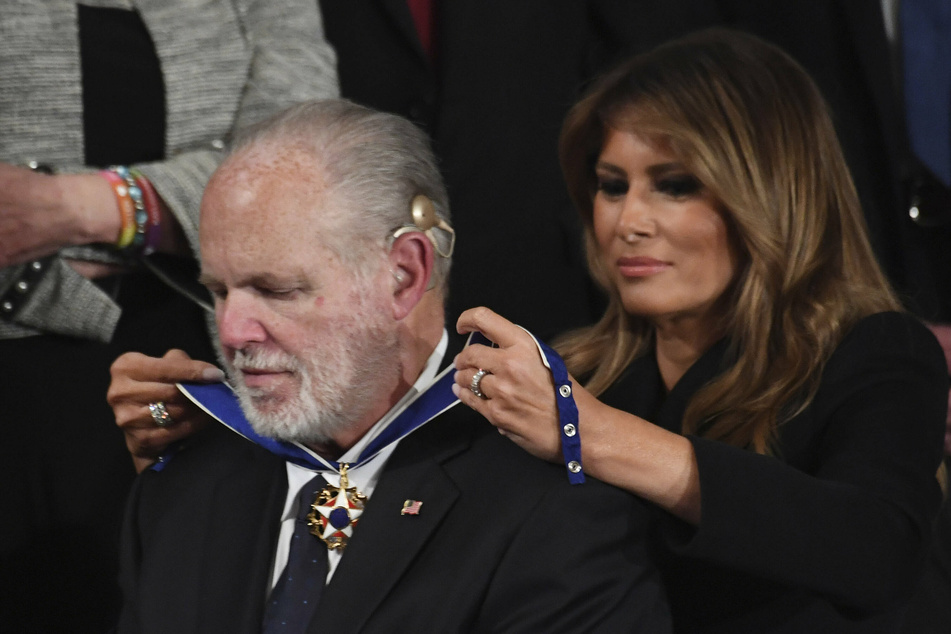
x=502 y=543
x=930 y=609
x=830 y=535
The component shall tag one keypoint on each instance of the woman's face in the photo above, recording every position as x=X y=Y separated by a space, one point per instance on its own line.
x=665 y=246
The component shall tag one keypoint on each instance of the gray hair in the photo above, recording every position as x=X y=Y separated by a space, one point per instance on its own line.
x=375 y=163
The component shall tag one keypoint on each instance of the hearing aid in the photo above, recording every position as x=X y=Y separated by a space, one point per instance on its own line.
x=425 y=220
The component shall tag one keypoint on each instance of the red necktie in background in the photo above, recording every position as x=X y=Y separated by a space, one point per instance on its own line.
x=422 y=11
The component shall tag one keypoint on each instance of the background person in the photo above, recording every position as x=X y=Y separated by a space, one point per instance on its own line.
x=752 y=375
x=159 y=87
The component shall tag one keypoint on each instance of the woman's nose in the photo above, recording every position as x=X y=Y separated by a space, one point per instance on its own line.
x=636 y=219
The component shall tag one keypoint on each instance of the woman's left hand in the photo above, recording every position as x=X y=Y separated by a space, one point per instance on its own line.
x=618 y=448
x=518 y=388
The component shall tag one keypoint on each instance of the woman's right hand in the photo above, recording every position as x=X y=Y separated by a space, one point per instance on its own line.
x=137 y=381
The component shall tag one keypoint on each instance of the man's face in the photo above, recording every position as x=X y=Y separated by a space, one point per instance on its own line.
x=309 y=347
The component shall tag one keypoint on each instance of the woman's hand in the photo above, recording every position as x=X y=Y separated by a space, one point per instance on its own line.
x=617 y=447
x=520 y=395
x=137 y=381
x=40 y=214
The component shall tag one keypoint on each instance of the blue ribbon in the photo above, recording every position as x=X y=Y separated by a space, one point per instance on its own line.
x=564 y=399
x=567 y=414
x=219 y=400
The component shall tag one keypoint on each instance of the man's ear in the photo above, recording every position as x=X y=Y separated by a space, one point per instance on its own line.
x=411 y=262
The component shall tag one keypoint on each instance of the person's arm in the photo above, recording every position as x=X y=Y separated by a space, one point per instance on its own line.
x=42 y=213
x=866 y=486
x=852 y=519
x=617 y=447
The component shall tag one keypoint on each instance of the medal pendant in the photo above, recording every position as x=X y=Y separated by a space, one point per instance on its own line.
x=335 y=512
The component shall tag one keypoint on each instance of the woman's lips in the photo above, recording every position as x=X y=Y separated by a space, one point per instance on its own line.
x=641 y=266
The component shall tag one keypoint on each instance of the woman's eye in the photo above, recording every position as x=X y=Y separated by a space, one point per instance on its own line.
x=679 y=186
x=612 y=187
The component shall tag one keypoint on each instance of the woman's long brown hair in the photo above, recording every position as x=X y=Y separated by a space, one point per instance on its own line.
x=750 y=124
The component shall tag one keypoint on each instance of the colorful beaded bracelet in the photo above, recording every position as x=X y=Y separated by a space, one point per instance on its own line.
x=126 y=208
x=140 y=215
x=139 y=209
x=150 y=200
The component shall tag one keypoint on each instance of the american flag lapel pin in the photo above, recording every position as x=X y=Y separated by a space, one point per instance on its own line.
x=411 y=507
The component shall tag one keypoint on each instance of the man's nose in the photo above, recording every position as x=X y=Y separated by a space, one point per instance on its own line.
x=239 y=321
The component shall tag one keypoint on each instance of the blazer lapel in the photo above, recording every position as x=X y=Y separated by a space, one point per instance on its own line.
x=640 y=391
x=710 y=364
x=386 y=542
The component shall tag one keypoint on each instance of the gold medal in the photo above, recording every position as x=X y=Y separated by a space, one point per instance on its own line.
x=335 y=512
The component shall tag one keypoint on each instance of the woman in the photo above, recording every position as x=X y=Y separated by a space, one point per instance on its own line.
x=752 y=376
x=159 y=87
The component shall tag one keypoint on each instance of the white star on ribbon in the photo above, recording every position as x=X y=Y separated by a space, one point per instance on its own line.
x=341 y=501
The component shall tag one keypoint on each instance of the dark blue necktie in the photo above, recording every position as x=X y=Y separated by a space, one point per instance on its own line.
x=293 y=601
x=926 y=38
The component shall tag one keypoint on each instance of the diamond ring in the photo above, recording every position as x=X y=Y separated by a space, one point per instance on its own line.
x=476 y=382
x=160 y=415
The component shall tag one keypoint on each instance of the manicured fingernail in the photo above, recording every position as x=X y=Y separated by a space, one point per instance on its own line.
x=456 y=389
x=213 y=374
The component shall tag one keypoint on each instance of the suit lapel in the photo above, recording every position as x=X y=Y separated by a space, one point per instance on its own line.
x=386 y=543
x=245 y=508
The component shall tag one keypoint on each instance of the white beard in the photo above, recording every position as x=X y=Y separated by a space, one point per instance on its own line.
x=338 y=379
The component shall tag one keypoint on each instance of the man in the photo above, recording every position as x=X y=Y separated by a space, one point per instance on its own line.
x=329 y=305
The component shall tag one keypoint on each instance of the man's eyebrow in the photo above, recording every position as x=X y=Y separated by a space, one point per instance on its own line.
x=270 y=279
x=258 y=279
